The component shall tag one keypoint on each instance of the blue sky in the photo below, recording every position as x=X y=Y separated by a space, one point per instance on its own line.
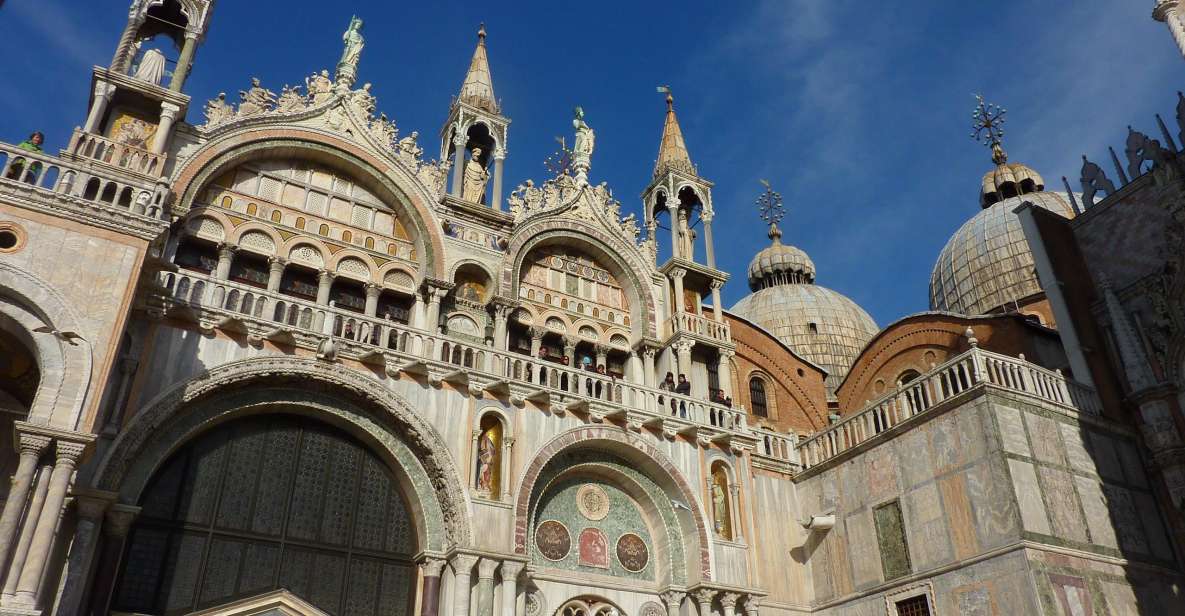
x=859 y=116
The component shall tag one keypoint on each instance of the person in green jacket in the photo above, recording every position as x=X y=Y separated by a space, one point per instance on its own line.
x=32 y=144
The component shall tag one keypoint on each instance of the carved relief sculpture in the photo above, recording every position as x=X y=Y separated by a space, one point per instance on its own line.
x=218 y=111
x=474 y=186
x=320 y=87
x=256 y=100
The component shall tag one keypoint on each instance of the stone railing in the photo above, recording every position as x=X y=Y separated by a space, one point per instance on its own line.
x=43 y=172
x=121 y=155
x=686 y=322
x=974 y=369
x=775 y=445
x=403 y=345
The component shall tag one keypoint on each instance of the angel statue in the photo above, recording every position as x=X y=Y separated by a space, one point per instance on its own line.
x=347 y=67
x=256 y=100
x=290 y=100
x=217 y=111
x=408 y=145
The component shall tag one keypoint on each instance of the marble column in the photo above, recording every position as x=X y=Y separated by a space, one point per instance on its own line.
x=434 y=298
x=418 y=318
x=752 y=605
x=648 y=372
x=570 y=350
x=673 y=600
x=164 y=130
x=91 y=506
x=602 y=355
x=184 y=62
x=28 y=588
x=496 y=201
x=673 y=210
x=123 y=51
x=717 y=309
x=537 y=334
x=275 y=273
x=458 y=163
x=1169 y=11
x=115 y=532
x=501 y=337
x=324 y=284
x=724 y=370
x=430 y=596
x=20 y=551
x=226 y=254
x=703 y=600
x=372 y=299
x=677 y=279
x=103 y=93
x=708 y=248
x=728 y=602
x=463 y=568
x=510 y=572
x=683 y=351
x=485 y=586
x=31 y=447
x=127 y=370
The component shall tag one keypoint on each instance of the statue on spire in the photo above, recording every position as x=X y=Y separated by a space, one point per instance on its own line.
x=988 y=125
x=582 y=149
x=347 y=67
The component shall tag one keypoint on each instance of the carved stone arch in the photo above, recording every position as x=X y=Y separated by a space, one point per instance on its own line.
x=329 y=392
x=244 y=229
x=493 y=130
x=481 y=265
x=26 y=304
x=625 y=262
x=390 y=182
x=357 y=255
x=635 y=450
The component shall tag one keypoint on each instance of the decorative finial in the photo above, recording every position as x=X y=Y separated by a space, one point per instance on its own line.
x=988 y=125
x=481 y=33
x=971 y=339
x=769 y=204
x=670 y=97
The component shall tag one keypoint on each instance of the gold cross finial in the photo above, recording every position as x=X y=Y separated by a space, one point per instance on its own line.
x=988 y=124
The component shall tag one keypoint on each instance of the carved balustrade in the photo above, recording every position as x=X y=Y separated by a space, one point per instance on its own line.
x=22 y=169
x=974 y=369
x=233 y=301
x=121 y=155
x=688 y=323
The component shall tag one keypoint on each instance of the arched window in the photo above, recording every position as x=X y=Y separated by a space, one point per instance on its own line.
x=370 y=243
x=276 y=216
x=323 y=230
x=757 y=397
x=347 y=236
x=300 y=222
x=252 y=209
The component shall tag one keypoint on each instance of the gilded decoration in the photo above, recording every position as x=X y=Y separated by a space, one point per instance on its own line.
x=553 y=540
x=632 y=552
x=128 y=129
x=592 y=502
x=488 y=469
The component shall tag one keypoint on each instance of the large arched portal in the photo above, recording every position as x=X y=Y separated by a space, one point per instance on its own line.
x=268 y=502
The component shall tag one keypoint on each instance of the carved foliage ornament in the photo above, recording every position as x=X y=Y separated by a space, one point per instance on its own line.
x=564 y=195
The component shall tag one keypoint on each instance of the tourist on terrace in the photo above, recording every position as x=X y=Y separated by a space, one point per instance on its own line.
x=32 y=144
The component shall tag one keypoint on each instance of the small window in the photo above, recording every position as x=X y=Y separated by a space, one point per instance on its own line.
x=913 y=606
x=300 y=223
x=324 y=230
x=370 y=243
x=276 y=215
x=347 y=236
x=757 y=397
x=812 y=328
x=252 y=209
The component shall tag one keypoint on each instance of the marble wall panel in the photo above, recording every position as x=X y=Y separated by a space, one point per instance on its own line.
x=913 y=452
x=866 y=569
x=1064 y=513
x=1129 y=460
x=1045 y=439
x=958 y=514
x=1012 y=430
x=882 y=474
x=1098 y=517
x=929 y=540
x=1077 y=457
x=946 y=443
x=993 y=505
x=1028 y=496
x=1158 y=540
x=1126 y=519
x=1106 y=458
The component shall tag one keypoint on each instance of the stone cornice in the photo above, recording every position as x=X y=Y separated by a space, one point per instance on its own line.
x=90 y=213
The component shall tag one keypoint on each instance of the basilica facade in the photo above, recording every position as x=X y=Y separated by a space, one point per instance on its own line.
x=276 y=356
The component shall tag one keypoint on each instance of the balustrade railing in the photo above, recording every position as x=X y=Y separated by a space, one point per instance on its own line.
x=43 y=172
x=701 y=326
x=122 y=155
x=202 y=290
x=972 y=369
x=777 y=446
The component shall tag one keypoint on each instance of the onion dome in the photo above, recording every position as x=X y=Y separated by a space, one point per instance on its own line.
x=820 y=324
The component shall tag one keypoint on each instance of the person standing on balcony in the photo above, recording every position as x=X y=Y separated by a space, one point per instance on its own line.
x=683 y=388
x=32 y=144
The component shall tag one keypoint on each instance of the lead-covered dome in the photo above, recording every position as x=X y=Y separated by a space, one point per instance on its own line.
x=820 y=324
x=986 y=265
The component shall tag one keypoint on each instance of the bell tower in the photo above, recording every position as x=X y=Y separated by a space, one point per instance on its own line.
x=474 y=136
x=137 y=100
x=678 y=194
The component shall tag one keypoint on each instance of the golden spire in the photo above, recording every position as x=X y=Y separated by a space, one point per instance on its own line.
x=478 y=87
x=672 y=151
x=988 y=125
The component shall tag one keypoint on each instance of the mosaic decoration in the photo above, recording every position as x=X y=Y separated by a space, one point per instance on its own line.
x=594 y=548
x=650 y=608
x=553 y=540
x=632 y=552
x=592 y=502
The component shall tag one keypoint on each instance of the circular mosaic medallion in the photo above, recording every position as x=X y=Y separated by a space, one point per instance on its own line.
x=553 y=540
x=632 y=552
x=535 y=603
x=650 y=608
x=592 y=502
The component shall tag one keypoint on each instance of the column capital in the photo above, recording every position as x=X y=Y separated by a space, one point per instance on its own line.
x=1163 y=8
x=119 y=519
x=486 y=568
x=716 y=285
x=325 y=276
x=169 y=110
x=677 y=273
x=537 y=332
x=751 y=605
x=227 y=249
x=373 y=289
x=511 y=569
x=703 y=596
x=570 y=343
x=70 y=452
x=277 y=261
x=673 y=597
x=103 y=89
x=433 y=566
x=499 y=153
x=33 y=444
x=726 y=354
x=463 y=563
x=92 y=504
x=729 y=599
x=684 y=345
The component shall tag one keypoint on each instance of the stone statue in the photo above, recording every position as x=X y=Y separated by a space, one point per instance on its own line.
x=347 y=67
x=217 y=111
x=473 y=187
x=384 y=130
x=319 y=87
x=719 y=507
x=487 y=457
x=364 y=101
x=585 y=136
x=409 y=146
x=1094 y=180
x=257 y=100
x=152 y=66
x=290 y=100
